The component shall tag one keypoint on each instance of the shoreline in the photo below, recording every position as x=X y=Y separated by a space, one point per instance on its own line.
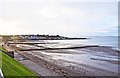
x=37 y=56
x=84 y=70
x=70 y=62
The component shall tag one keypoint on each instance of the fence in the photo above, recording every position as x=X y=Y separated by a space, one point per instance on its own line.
x=1 y=74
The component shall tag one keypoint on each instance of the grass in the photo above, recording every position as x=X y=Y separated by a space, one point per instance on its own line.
x=11 y=67
x=2 y=48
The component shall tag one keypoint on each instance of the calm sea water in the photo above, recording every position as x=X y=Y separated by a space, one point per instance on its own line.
x=111 y=41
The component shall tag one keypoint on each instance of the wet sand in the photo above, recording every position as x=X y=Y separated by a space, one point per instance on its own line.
x=86 y=61
x=76 y=62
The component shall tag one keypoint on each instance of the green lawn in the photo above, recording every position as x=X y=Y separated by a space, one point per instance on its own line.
x=11 y=67
x=2 y=48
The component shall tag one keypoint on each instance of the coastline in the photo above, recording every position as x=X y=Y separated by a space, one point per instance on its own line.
x=54 y=60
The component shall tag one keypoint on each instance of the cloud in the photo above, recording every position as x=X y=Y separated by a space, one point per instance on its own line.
x=60 y=0
x=58 y=17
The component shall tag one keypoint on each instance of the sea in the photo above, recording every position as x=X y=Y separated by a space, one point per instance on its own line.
x=109 y=41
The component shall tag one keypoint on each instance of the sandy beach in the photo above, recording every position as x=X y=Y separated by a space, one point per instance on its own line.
x=70 y=62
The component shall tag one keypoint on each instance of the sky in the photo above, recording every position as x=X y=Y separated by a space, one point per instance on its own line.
x=63 y=17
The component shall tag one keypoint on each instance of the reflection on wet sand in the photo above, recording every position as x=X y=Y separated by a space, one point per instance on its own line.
x=77 y=62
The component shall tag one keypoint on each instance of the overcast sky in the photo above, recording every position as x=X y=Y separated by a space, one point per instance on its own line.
x=68 y=18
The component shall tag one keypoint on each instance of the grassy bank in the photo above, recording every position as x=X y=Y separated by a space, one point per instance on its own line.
x=11 y=67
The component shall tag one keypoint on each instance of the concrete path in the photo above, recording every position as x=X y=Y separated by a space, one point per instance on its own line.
x=41 y=70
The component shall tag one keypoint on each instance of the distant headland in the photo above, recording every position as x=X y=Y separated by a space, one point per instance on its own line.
x=39 y=37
